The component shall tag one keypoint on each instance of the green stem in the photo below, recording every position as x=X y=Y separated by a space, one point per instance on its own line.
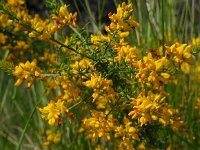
x=81 y=38
x=163 y=27
x=51 y=38
x=52 y=75
x=25 y=128
x=70 y=48
x=95 y=28
x=76 y=104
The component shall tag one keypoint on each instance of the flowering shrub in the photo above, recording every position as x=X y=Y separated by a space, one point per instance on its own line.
x=120 y=93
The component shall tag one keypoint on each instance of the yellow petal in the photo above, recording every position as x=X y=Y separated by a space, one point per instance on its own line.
x=37 y=74
x=187 y=55
x=165 y=75
x=29 y=84
x=33 y=63
x=154 y=117
x=132 y=129
x=19 y=82
x=133 y=23
x=17 y=71
x=123 y=34
x=185 y=67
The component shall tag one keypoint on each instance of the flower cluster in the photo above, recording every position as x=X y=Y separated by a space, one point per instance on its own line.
x=122 y=21
x=102 y=92
x=28 y=71
x=71 y=92
x=51 y=137
x=52 y=112
x=128 y=133
x=112 y=90
x=181 y=54
x=147 y=109
x=47 y=28
x=99 y=125
x=63 y=18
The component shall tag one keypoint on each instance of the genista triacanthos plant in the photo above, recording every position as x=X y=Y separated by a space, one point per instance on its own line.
x=118 y=91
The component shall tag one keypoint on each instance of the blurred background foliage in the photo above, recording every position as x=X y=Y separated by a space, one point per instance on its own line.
x=181 y=18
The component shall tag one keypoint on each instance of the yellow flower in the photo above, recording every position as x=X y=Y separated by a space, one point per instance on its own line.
x=97 y=82
x=51 y=137
x=27 y=71
x=185 y=67
x=165 y=75
x=18 y=82
x=160 y=63
x=71 y=92
x=123 y=34
x=15 y=3
x=99 y=125
x=52 y=111
x=145 y=108
x=181 y=54
x=82 y=65
x=197 y=105
x=71 y=19
x=3 y=38
x=122 y=20
x=64 y=18
x=57 y=138
x=195 y=41
x=126 y=130
x=63 y=11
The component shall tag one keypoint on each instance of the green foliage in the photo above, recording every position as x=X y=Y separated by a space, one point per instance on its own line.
x=24 y=129
x=7 y=67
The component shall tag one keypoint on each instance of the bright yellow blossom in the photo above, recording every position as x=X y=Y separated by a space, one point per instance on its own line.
x=99 y=125
x=122 y=21
x=53 y=111
x=15 y=3
x=28 y=71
